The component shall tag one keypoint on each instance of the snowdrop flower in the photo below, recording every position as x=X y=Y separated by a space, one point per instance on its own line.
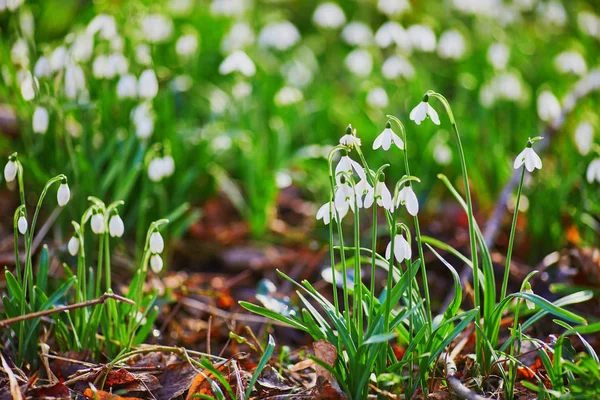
x=344 y=197
x=402 y=250
x=329 y=15
x=397 y=66
x=452 y=45
x=58 y=58
x=10 y=170
x=326 y=211
x=74 y=81
x=148 y=85
x=100 y=67
x=593 y=171
x=157 y=244
x=393 y=8
x=229 y=7
x=584 y=137
x=73 y=245
x=155 y=172
x=168 y=165
x=97 y=223
x=187 y=45
x=386 y=138
x=357 y=34
x=239 y=36
x=73 y=127
x=142 y=54
x=422 y=110
x=143 y=119
x=408 y=198
x=363 y=190
x=548 y=106
x=347 y=165
x=118 y=64
x=422 y=38
x=553 y=13
x=22 y=224
x=442 y=154
x=497 y=55
x=19 y=53
x=28 y=86
x=288 y=95
x=157 y=28
x=528 y=157
x=359 y=62
x=127 y=87
x=570 y=62
x=378 y=98
x=82 y=48
x=279 y=35
x=181 y=7
x=589 y=23
x=241 y=90
x=63 y=195
x=103 y=24
x=42 y=68
x=382 y=194
x=156 y=263
x=350 y=139
x=40 y=120
x=116 y=228
x=393 y=33
x=27 y=23
x=237 y=61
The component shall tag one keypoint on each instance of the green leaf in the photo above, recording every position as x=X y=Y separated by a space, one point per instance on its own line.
x=272 y=315
x=261 y=364
x=43 y=267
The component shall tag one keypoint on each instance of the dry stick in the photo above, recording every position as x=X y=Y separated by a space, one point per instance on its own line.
x=88 y=303
x=585 y=86
x=455 y=384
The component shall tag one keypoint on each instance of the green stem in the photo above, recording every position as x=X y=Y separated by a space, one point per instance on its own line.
x=511 y=239
x=99 y=269
x=357 y=292
x=332 y=258
x=373 y=253
x=107 y=270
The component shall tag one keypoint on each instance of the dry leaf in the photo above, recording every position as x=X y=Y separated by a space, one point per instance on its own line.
x=15 y=390
x=102 y=395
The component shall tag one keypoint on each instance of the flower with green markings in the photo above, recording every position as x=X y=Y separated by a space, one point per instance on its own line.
x=424 y=110
x=363 y=190
x=407 y=197
x=386 y=138
x=347 y=165
x=528 y=157
x=344 y=196
x=381 y=194
x=402 y=250
x=350 y=139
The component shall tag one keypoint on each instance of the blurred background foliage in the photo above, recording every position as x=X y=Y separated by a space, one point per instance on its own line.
x=251 y=95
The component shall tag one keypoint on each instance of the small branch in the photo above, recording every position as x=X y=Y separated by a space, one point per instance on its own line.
x=39 y=314
x=455 y=384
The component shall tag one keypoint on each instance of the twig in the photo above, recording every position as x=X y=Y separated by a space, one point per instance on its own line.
x=585 y=86
x=455 y=384
x=88 y=303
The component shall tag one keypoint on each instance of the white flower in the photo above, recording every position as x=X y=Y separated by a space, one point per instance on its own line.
x=452 y=45
x=402 y=250
x=378 y=98
x=63 y=195
x=142 y=54
x=22 y=225
x=237 y=61
x=241 y=90
x=10 y=171
x=156 y=263
x=118 y=65
x=529 y=157
x=386 y=138
x=155 y=170
x=168 y=165
x=58 y=58
x=103 y=23
x=127 y=87
x=143 y=119
x=359 y=62
x=393 y=8
x=74 y=81
x=28 y=86
x=27 y=23
x=570 y=62
x=116 y=228
x=422 y=38
x=383 y=196
x=40 y=120
x=327 y=210
x=329 y=15
x=98 y=224
x=363 y=190
x=82 y=48
x=279 y=35
x=552 y=13
x=148 y=85
x=100 y=67
x=157 y=244
x=350 y=139
x=229 y=7
x=396 y=66
x=390 y=33
x=408 y=198
x=497 y=55
x=357 y=34
x=288 y=95
x=240 y=35
x=157 y=28
x=344 y=197
x=589 y=23
x=19 y=53
x=421 y=111
x=181 y=7
x=42 y=68
x=442 y=154
x=584 y=137
x=73 y=245
x=593 y=171
x=548 y=106
x=347 y=165
x=187 y=45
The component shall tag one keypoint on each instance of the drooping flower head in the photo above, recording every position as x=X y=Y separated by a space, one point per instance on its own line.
x=381 y=194
x=402 y=250
x=350 y=139
x=386 y=138
x=407 y=197
x=63 y=195
x=528 y=157
x=422 y=111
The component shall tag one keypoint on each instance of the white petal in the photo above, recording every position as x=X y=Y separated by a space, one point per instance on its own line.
x=378 y=141
x=157 y=244
x=412 y=203
x=73 y=246
x=407 y=249
x=520 y=159
x=417 y=114
x=398 y=141
x=323 y=210
x=386 y=196
x=341 y=212
x=537 y=161
x=399 y=249
x=433 y=114
x=529 y=160
x=369 y=198
x=388 y=251
x=358 y=168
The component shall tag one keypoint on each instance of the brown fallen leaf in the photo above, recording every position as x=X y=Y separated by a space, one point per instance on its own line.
x=15 y=390
x=102 y=395
x=327 y=387
x=56 y=391
x=202 y=385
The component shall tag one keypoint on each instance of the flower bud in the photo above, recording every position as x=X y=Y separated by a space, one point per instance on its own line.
x=40 y=120
x=63 y=195
x=156 y=263
x=116 y=228
x=10 y=171
x=157 y=244
x=22 y=224
x=73 y=246
x=98 y=224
